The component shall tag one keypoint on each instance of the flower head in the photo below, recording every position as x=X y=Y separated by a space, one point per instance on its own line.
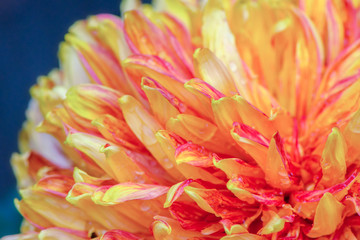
x=198 y=120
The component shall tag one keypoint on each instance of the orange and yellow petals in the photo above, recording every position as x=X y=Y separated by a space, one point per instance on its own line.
x=243 y=236
x=125 y=200
x=54 y=233
x=146 y=38
x=164 y=228
x=48 y=94
x=273 y=223
x=91 y=146
x=112 y=195
x=95 y=64
x=237 y=109
x=108 y=30
x=180 y=32
x=252 y=189
x=90 y=101
x=81 y=176
x=139 y=66
x=276 y=168
x=204 y=93
x=333 y=162
x=352 y=137
x=345 y=65
x=197 y=86
x=200 y=132
x=116 y=130
x=194 y=155
x=119 y=235
x=328 y=216
x=74 y=72
x=335 y=32
x=210 y=69
x=163 y=104
x=100 y=217
x=145 y=127
x=219 y=39
x=19 y=164
x=305 y=202
x=234 y=167
x=44 y=207
x=30 y=167
x=282 y=33
x=196 y=162
x=170 y=143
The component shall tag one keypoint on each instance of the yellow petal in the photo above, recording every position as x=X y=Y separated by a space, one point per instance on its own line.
x=272 y=221
x=163 y=104
x=333 y=161
x=213 y=71
x=90 y=101
x=218 y=37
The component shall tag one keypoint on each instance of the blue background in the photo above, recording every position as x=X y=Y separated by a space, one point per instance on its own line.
x=30 y=32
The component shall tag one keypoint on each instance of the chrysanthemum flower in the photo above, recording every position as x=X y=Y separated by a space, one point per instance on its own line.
x=187 y=119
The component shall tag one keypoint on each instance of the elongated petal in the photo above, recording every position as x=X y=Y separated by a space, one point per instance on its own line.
x=276 y=173
x=116 y=194
x=333 y=160
x=163 y=104
x=209 y=68
x=144 y=127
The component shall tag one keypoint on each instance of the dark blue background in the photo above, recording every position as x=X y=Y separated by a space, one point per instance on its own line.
x=30 y=32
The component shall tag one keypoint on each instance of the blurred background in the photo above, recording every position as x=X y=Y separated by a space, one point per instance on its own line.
x=30 y=32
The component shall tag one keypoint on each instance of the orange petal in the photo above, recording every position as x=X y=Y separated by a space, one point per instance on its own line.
x=328 y=216
x=275 y=168
x=117 y=131
x=148 y=39
x=201 y=132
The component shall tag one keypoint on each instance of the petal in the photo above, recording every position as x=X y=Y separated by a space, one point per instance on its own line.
x=102 y=217
x=333 y=161
x=98 y=64
x=352 y=137
x=117 y=131
x=148 y=39
x=237 y=109
x=54 y=209
x=163 y=104
x=164 y=228
x=218 y=38
x=201 y=132
x=144 y=127
x=90 y=101
x=327 y=216
x=272 y=223
x=234 y=167
x=119 y=235
x=275 y=168
x=112 y=195
x=213 y=71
